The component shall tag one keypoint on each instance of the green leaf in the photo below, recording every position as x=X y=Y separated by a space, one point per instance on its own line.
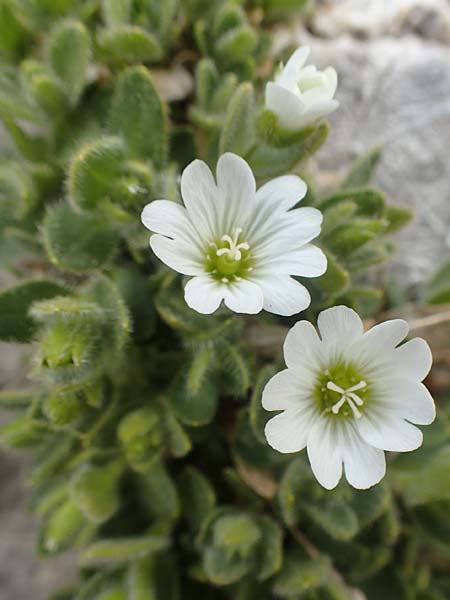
x=259 y=416
x=159 y=493
x=334 y=517
x=116 y=12
x=16 y=399
x=23 y=432
x=13 y=102
x=194 y=409
x=236 y=43
x=334 y=281
x=238 y=131
x=139 y=117
x=397 y=216
x=104 y=293
x=270 y=551
x=119 y=551
x=438 y=290
x=363 y=169
x=15 y=302
x=61 y=529
x=178 y=440
x=154 y=578
x=206 y=81
x=93 y=171
x=69 y=50
x=369 y=202
x=300 y=575
x=233 y=364
x=197 y=495
x=129 y=44
x=94 y=491
x=223 y=568
x=77 y=242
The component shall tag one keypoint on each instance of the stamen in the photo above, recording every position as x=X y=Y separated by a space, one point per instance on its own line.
x=347 y=395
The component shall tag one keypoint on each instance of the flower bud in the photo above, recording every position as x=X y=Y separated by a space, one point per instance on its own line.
x=301 y=95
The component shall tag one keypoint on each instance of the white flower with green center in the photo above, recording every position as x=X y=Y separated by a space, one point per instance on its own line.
x=301 y=95
x=348 y=395
x=239 y=245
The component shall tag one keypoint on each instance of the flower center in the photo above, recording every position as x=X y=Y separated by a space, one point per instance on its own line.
x=342 y=392
x=347 y=395
x=228 y=258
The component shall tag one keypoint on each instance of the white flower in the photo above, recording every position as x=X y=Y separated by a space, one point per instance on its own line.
x=301 y=95
x=348 y=396
x=238 y=244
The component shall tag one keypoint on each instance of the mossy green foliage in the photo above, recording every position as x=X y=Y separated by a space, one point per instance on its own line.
x=144 y=419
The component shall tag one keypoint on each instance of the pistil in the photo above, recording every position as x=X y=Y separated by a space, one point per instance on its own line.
x=347 y=396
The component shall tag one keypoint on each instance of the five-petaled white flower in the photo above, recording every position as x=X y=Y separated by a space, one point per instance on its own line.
x=301 y=95
x=348 y=396
x=239 y=245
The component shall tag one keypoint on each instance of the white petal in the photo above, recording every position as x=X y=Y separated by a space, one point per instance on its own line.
x=237 y=185
x=410 y=400
x=301 y=346
x=203 y=294
x=317 y=110
x=331 y=79
x=364 y=465
x=291 y=71
x=179 y=256
x=283 y=392
x=200 y=196
x=286 y=105
x=388 y=432
x=288 y=432
x=244 y=297
x=283 y=295
x=307 y=261
x=273 y=232
x=169 y=219
x=385 y=336
x=325 y=452
x=340 y=324
x=414 y=358
x=282 y=192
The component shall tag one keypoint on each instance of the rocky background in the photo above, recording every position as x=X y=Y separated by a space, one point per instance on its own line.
x=393 y=61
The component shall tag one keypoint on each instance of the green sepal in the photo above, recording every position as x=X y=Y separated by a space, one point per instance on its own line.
x=23 y=433
x=271 y=133
x=269 y=161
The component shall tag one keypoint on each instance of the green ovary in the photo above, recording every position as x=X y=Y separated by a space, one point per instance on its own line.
x=349 y=394
x=229 y=258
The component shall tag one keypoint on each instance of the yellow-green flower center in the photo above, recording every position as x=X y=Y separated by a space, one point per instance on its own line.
x=228 y=259
x=342 y=391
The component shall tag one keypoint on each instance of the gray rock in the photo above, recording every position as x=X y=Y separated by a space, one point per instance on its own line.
x=373 y=18
x=394 y=93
